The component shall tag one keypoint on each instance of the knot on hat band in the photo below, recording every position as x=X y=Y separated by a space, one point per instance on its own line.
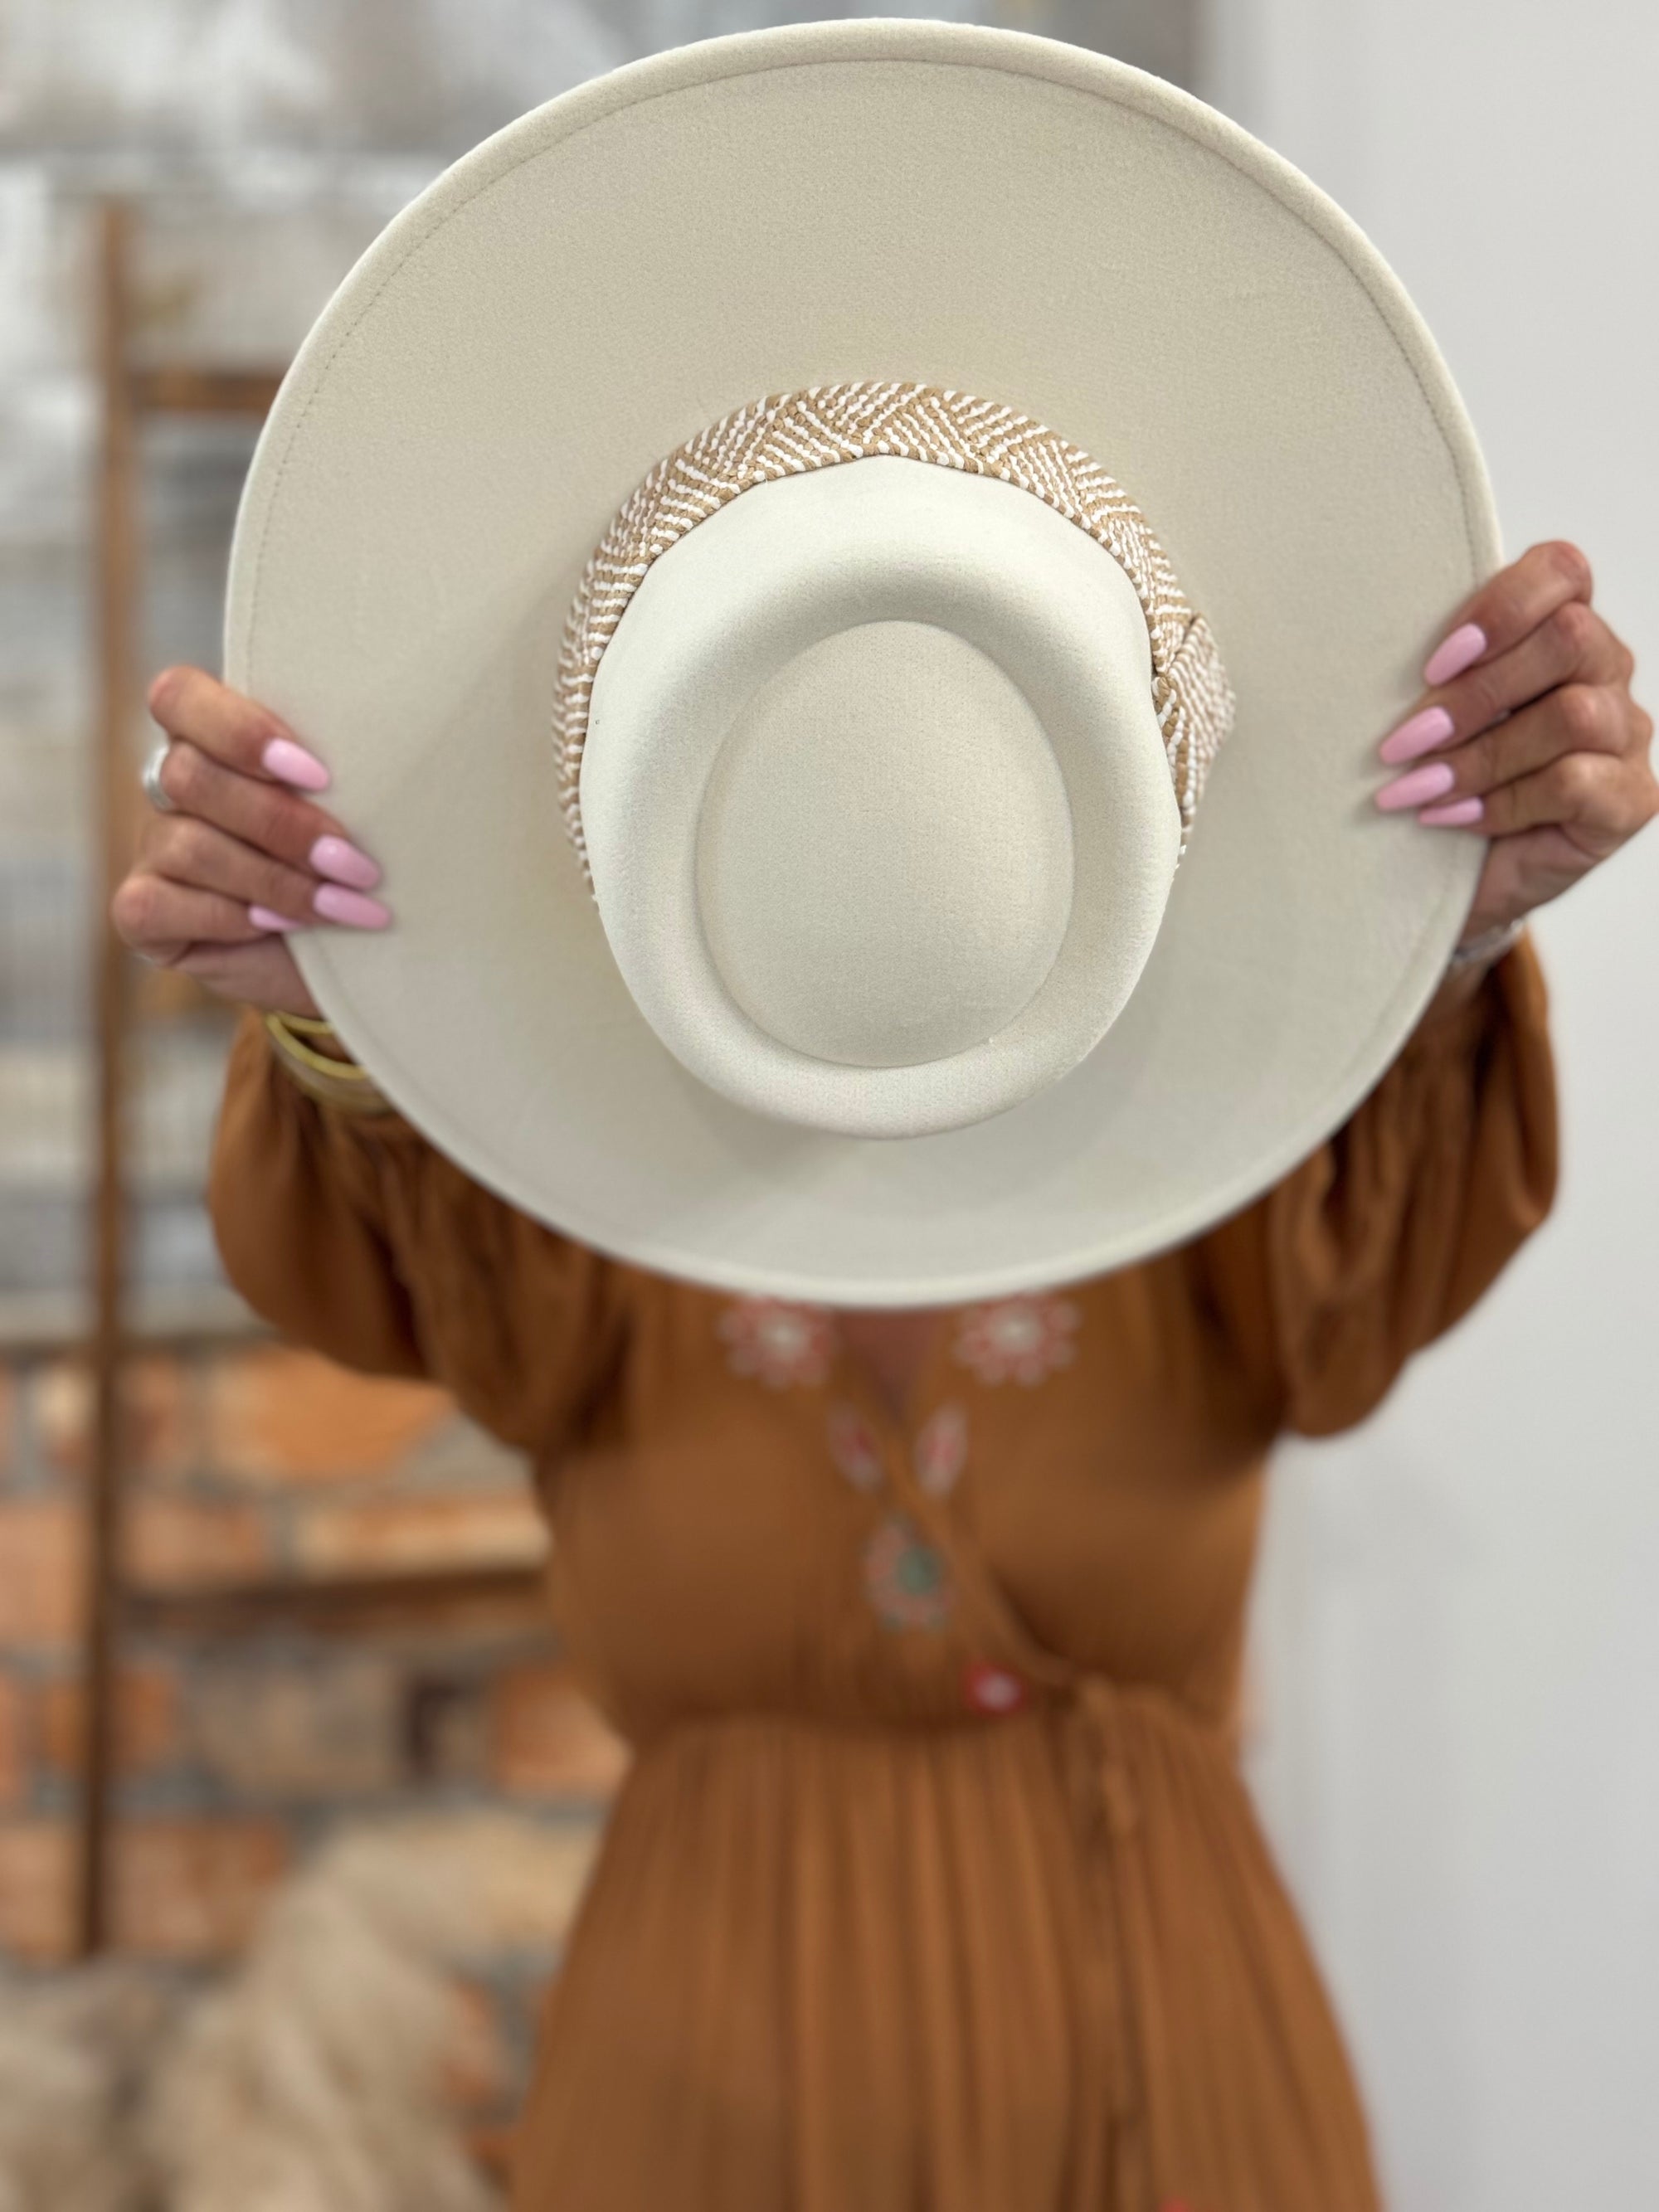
x=792 y=432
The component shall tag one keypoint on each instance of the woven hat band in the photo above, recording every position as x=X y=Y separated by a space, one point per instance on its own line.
x=792 y=432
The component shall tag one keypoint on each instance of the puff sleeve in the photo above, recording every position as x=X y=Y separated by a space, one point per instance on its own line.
x=1388 y=1234
x=349 y=1233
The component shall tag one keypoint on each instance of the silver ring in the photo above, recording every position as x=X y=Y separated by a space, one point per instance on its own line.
x=150 y=778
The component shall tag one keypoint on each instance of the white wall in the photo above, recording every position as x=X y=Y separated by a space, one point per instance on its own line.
x=1458 y=1619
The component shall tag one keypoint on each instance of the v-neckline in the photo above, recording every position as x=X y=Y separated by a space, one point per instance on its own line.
x=856 y=1371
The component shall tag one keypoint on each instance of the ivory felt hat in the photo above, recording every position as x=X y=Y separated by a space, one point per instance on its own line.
x=850 y=576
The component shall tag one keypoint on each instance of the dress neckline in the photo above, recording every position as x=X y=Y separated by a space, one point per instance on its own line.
x=859 y=1379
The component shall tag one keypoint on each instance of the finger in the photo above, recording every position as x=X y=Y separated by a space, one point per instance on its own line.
x=1528 y=868
x=1575 y=718
x=194 y=853
x=162 y=919
x=190 y=704
x=1598 y=802
x=266 y=816
x=1508 y=605
x=1570 y=645
x=259 y=974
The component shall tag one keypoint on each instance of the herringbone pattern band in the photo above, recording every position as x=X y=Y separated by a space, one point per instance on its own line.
x=795 y=431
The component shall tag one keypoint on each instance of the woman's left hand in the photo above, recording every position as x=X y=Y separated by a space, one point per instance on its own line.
x=1527 y=734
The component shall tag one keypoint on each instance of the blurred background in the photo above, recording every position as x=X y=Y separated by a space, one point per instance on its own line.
x=271 y=1660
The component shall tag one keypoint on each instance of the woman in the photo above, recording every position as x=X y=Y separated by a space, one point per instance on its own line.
x=932 y=1882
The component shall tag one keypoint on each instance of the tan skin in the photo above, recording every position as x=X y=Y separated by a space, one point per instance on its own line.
x=1545 y=734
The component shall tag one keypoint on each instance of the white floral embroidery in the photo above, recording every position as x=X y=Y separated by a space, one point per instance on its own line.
x=853 y=1447
x=1017 y=1340
x=778 y=1343
x=941 y=1449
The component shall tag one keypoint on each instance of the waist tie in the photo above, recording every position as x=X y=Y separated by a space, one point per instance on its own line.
x=1107 y=1815
x=1106 y=1810
x=1125 y=2011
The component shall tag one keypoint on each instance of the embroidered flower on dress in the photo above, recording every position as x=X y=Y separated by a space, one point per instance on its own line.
x=941 y=1449
x=853 y=1447
x=906 y=1580
x=991 y=1689
x=776 y=1343
x=1017 y=1340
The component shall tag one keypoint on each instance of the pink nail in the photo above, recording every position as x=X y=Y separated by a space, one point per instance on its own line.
x=263 y=918
x=291 y=764
x=1456 y=653
x=1432 y=781
x=345 y=864
x=350 y=907
x=1420 y=735
x=1458 y=815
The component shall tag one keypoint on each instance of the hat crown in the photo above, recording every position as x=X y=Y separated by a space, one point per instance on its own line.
x=885 y=853
x=737 y=654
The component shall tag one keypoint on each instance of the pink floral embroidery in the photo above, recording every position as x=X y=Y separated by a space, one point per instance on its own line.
x=906 y=1580
x=1017 y=1340
x=941 y=1449
x=991 y=1689
x=853 y=1447
x=778 y=1343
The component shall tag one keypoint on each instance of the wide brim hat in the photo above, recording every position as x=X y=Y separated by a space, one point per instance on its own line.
x=850 y=576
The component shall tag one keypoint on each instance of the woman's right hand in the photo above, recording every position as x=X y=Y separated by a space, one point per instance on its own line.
x=244 y=856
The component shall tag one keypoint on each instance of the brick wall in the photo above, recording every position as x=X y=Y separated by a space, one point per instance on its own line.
x=245 y=1741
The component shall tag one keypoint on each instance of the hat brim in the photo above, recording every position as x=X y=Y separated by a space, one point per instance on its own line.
x=979 y=208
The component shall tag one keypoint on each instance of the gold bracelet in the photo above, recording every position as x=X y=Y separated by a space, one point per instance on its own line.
x=332 y=1082
x=283 y=1027
x=306 y=1024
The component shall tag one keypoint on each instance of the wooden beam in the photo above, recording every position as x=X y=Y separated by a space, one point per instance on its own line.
x=177 y=388
x=112 y=811
x=503 y=1596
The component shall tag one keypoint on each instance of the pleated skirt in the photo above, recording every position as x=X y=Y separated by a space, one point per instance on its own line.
x=828 y=1968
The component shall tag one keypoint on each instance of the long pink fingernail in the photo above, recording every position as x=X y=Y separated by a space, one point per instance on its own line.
x=1456 y=653
x=1458 y=815
x=1432 y=781
x=291 y=764
x=343 y=864
x=350 y=907
x=263 y=918
x=1420 y=735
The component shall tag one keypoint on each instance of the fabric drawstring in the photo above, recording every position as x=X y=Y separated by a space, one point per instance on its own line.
x=1107 y=1811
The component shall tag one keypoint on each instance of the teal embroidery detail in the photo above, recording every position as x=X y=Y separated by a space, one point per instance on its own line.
x=906 y=1579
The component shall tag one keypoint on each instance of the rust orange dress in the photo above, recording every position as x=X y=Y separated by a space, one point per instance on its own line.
x=933 y=1886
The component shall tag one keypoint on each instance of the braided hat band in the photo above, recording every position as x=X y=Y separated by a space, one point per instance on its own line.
x=792 y=432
